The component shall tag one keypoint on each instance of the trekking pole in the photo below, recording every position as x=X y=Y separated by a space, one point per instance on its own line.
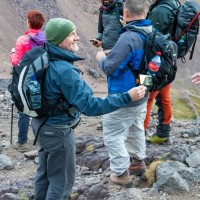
x=11 y=128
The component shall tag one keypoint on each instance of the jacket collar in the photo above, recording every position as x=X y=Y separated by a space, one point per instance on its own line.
x=143 y=24
x=32 y=31
x=56 y=52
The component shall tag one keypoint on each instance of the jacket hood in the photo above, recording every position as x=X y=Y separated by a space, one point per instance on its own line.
x=57 y=53
x=143 y=25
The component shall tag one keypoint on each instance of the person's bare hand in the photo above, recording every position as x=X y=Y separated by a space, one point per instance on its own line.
x=137 y=92
x=100 y=55
x=196 y=78
x=122 y=22
x=107 y=51
x=96 y=43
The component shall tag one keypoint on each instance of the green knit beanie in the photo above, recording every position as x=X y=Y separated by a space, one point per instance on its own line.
x=57 y=29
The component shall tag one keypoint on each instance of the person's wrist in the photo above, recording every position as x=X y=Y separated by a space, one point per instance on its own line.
x=128 y=96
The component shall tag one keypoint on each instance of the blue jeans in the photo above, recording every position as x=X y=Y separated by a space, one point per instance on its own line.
x=23 y=125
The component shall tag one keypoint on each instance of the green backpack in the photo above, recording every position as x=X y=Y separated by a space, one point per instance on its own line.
x=181 y=21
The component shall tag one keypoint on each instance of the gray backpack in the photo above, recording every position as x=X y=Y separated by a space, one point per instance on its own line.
x=187 y=28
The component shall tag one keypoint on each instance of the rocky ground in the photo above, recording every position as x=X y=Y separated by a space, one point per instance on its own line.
x=178 y=179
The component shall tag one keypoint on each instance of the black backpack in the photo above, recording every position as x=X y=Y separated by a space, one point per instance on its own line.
x=157 y=42
x=35 y=62
x=182 y=22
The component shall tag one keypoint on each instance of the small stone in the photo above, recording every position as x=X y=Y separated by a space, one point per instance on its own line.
x=30 y=154
x=185 y=136
x=36 y=160
x=94 y=73
x=153 y=192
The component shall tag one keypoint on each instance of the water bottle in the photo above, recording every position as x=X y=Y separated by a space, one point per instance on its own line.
x=182 y=40
x=155 y=63
x=34 y=93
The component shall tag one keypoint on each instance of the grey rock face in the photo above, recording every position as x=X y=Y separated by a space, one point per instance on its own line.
x=168 y=152
x=97 y=192
x=8 y=189
x=132 y=194
x=191 y=132
x=9 y=196
x=172 y=183
x=175 y=177
x=196 y=175
x=194 y=159
x=93 y=153
x=170 y=167
x=5 y=162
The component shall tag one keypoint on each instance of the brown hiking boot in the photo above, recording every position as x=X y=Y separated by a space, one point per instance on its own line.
x=124 y=179
x=137 y=167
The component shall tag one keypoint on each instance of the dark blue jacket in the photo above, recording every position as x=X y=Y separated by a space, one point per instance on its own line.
x=128 y=49
x=63 y=79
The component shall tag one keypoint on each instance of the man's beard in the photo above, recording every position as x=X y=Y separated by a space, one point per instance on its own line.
x=75 y=49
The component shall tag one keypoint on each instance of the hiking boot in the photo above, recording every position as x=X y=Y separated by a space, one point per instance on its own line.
x=21 y=147
x=124 y=179
x=137 y=167
x=154 y=139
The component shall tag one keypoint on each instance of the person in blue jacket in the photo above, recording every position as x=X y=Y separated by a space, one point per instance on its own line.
x=123 y=129
x=55 y=174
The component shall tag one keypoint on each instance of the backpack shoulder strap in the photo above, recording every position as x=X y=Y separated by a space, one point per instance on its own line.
x=143 y=64
x=137 y=72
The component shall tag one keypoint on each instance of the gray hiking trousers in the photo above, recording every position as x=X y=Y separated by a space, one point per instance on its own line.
x=55 y=174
